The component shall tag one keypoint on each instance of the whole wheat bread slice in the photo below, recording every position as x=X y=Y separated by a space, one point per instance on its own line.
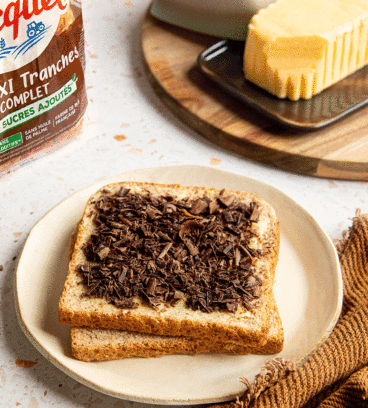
x=246 y=325
x=107 y=344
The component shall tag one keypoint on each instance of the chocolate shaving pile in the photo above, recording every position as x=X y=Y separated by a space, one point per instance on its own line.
x=162 y=250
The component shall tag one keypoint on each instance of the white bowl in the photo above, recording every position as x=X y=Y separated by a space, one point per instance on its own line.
x=221 y=18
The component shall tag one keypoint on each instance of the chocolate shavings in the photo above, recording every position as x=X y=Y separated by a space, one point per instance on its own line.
x=163 y=250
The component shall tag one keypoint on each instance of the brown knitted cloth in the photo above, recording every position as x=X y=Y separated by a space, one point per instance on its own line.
x=336 y=374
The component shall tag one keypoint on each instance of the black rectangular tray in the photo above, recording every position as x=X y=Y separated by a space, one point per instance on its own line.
x=223 y=63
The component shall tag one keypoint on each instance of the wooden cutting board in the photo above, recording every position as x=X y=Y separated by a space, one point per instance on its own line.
x=337 y=151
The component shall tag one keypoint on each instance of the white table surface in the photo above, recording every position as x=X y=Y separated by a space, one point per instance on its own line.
x=121 y=103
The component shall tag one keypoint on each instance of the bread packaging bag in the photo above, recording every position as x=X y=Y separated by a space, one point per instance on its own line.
x=42 y=84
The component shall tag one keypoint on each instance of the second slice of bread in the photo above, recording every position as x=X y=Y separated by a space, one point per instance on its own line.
x=245 y=325
x=107 y=344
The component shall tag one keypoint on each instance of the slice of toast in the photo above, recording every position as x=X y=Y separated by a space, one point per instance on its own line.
x=146 y=241
x=108 y=344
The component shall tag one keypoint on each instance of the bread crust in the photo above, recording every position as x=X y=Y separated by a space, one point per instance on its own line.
x=243 y=326
x=106 y=344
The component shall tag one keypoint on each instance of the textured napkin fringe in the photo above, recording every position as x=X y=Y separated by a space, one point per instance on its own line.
x=274 y=370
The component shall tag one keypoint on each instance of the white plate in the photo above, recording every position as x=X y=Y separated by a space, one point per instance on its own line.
x=308 y=292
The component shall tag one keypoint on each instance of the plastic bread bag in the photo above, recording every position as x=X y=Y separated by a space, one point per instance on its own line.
x=42 y=84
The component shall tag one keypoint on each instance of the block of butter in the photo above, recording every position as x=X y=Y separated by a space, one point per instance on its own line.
x=297 y=48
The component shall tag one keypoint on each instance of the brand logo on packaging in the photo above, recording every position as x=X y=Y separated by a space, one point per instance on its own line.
x=26 y=28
